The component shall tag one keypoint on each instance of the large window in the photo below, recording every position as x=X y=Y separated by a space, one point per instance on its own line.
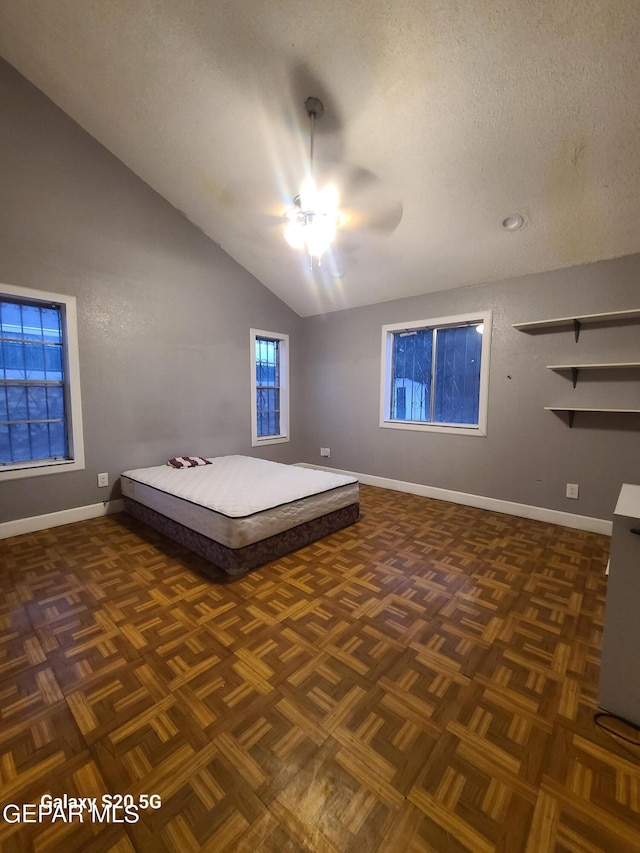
x=269 y=387
x=435 y=374
x=40 y=413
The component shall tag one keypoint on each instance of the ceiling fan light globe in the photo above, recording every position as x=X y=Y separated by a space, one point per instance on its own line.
x=328 y=199
x=327 y=233
x=316 y=250
x=319 y=238
x=309 y=195
x=294 y=235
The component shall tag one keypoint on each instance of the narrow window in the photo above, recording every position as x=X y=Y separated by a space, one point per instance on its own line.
x=40 y=417
x=268 y=386
x=270 y=392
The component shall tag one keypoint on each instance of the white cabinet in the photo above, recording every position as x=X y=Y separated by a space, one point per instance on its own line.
x=620 y=666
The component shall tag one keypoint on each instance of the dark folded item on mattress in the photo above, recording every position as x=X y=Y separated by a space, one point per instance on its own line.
x=188 y=461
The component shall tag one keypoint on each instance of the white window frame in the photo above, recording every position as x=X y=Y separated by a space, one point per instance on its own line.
x=475 y=318
x=283 y=348
x=73 y=397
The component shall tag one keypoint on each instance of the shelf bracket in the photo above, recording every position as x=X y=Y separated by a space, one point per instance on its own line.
x=574 y=376
x=576 y=329
x=572 y=415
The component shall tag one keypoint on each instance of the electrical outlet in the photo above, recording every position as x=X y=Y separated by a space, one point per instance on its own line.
x=572 y=490
x=103 y=480
x=325 y=451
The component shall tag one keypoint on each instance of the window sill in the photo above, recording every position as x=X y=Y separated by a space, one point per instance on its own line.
x=451 y=429
x=269 y=439
x=38 y=469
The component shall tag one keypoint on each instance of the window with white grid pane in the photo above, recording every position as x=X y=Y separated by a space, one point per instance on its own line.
x=40 y=414
x=269 y=387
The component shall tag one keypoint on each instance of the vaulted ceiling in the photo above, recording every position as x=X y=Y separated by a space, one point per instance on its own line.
x=442 y=118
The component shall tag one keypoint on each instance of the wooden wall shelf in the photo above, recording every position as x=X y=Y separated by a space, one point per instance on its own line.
x=571 y=410
x=577 y=321
x=575 y=368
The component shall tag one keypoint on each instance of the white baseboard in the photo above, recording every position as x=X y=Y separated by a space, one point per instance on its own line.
x=565 y=519
x=55 y=519
x=538 y=513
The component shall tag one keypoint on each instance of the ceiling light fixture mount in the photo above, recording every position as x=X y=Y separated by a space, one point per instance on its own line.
x=313 y=218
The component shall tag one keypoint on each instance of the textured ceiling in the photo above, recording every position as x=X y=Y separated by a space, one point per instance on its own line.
x=442 y=117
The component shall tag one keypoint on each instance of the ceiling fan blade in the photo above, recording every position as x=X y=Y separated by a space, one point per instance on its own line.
x=381 y=220
x=271 y=220
x=358 y=182
x=365 y=199
x=351 y=181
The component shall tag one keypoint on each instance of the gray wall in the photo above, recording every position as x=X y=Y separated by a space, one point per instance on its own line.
x=164 y=318
x=163 y=314
x=528 y=455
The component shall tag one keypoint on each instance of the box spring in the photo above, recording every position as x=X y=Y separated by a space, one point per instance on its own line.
x=237 y=561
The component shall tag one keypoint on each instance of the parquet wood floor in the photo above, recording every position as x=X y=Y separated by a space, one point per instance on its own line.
x=423 y=681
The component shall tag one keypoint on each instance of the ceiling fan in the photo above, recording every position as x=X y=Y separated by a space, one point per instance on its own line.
x=316 y=215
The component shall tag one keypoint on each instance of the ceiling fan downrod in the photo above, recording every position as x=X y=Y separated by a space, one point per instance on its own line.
x=314 y=108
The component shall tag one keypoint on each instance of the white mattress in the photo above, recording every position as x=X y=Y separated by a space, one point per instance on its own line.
x=239 y=500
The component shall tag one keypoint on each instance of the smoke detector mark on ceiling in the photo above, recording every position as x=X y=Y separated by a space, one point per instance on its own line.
x=513 y=222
